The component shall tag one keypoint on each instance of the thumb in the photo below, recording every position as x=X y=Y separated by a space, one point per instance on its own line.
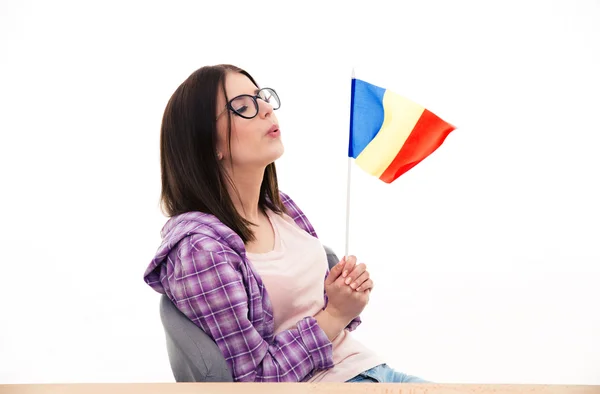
x=336 y=271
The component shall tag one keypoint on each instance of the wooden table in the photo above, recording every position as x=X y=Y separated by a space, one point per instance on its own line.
x=293 y=388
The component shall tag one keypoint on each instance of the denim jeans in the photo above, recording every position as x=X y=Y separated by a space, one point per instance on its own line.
x=384 y=374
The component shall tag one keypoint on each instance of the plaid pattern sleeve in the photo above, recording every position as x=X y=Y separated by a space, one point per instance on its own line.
x=207 y=283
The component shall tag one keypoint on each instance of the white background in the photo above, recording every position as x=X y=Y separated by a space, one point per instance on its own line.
x=486 y=255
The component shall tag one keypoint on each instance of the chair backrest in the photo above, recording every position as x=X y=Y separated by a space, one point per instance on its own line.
x=193 y=355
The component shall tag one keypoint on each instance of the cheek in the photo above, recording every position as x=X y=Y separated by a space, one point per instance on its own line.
x=243 y=137
x=239 y=143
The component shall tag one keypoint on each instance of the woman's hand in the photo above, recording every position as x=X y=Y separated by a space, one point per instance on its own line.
x=344 y=302
x=356 y=275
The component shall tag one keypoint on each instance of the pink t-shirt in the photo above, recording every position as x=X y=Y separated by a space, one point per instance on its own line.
x=293 y=273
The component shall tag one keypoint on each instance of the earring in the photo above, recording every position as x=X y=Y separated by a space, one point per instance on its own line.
x=219 y=155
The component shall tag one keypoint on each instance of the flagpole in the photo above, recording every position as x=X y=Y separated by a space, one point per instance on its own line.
x=348 y=205
x=348 y=182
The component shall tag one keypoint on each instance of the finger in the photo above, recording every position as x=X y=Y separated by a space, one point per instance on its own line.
x=362 y=278
x=367 y=286
x=335 y=271
x=356 y=272
x=350 y=263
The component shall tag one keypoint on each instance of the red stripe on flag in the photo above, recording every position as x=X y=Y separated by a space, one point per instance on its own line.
x=427 y=135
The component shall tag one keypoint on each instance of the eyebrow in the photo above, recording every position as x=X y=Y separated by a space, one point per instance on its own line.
x=255 y=92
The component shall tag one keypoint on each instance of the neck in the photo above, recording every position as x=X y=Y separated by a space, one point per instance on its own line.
x=246 y=193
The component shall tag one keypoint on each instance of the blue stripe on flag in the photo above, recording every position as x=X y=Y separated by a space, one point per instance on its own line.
x=366 y=115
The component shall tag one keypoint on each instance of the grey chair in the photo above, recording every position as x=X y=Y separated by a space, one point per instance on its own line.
x=193 y=355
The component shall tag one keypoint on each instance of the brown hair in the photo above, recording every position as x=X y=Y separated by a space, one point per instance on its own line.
x=191 y=175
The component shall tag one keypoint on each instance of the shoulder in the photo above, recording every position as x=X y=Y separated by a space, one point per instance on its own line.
x=194 y=242
x=196 y=237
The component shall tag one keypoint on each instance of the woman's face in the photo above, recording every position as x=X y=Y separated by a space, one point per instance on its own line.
x=255 y=142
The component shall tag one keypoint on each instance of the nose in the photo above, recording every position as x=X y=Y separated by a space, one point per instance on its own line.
x=264 y=109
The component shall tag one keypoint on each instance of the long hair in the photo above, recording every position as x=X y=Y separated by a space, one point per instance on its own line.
x=191 y=176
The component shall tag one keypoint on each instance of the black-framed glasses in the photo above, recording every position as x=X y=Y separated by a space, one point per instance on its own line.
x=246 y=106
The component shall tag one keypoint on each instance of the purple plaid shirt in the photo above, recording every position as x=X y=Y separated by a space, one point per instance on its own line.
x=201 y=266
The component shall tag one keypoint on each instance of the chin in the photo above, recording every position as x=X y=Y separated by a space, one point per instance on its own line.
x=269 y=155
x=276 y=153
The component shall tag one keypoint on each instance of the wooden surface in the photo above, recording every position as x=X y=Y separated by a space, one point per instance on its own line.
x=292 y=388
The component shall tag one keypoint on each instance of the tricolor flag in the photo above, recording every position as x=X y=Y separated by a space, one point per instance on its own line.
x=390 y=134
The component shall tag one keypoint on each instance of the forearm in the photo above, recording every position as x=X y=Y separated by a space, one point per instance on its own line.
x=330 y=323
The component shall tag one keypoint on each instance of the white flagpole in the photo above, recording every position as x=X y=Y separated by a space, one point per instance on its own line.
x=348 y=205
x=348 y=185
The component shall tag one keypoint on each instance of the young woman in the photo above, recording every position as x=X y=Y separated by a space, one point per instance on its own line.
x=238 y=257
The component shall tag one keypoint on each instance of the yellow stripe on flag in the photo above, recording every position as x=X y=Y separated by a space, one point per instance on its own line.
x=400 y=117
